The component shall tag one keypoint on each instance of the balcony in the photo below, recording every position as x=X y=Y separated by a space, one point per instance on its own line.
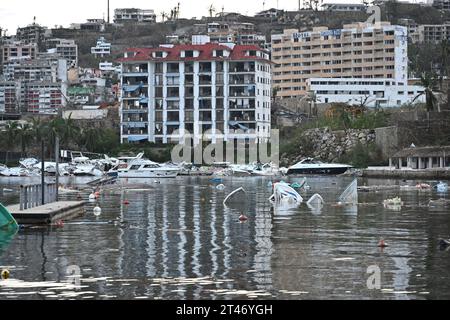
x=248 y=91
x=241 y=80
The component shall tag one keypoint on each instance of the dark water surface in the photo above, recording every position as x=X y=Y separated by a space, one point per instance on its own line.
x=178 y=241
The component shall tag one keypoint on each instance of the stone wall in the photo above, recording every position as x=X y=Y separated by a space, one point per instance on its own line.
x=327 y=145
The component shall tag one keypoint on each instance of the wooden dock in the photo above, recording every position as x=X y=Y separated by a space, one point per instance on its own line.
x=49 y=213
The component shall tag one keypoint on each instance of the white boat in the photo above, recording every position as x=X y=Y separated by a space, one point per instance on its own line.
x=265 y=170
x=16 y=172
x=312 y=166
x=87 y=170
x=142 y=168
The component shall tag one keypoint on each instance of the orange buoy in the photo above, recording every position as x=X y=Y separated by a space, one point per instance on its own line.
x=59 y=224
x=243 y=218
x=382 y=244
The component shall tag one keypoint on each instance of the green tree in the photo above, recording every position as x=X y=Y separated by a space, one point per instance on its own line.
x=428 y=82
x=11 y=130
x=25 y=136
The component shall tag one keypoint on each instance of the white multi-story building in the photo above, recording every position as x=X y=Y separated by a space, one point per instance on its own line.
x=170 y=91
x=365 y=92
x=102 y=48
x=134 y=15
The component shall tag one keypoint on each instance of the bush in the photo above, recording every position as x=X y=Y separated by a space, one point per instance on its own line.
x=363 y=156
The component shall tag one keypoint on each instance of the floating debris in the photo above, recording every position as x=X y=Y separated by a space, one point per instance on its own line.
x=423 y=186
x=350 y=195
x=285 y=195
x=237 y=198
x=382 y=244
x=316 y=201
x=442 y=187
x=393 y=204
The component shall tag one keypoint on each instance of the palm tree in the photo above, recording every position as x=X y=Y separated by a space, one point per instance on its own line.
x=90 y=138
x=428 y=82
x=25 y=136
x=37 y=129
x=69 y=131
x=11 y=137
x=445 y=51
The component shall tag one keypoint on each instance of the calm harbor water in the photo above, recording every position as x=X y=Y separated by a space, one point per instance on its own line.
x=176 y=240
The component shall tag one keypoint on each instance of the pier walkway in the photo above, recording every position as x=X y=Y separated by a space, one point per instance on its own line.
x=48 y=213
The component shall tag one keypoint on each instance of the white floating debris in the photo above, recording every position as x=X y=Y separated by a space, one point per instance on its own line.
x=315 y=203
x=237 y=197
x=220 y=187
x=285 y=195
x=350 y=195
x=97 y=211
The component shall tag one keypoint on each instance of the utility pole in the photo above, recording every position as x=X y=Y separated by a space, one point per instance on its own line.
x=108 y=11
x=57 y=166
x=42 y=172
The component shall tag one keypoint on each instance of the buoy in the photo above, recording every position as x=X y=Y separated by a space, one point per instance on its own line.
x=59 y=224
x=382 y=244
x=97 y=211
x=97 y=195
x=5 y=274
x=243 y=218
x=220 y=187
x=92 y=196
x=126 y=202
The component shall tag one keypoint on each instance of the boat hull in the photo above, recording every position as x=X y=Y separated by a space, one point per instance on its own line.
x=147 y=174
x=318 y=171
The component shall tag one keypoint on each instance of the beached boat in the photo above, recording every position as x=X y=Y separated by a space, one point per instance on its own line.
x=312 y=166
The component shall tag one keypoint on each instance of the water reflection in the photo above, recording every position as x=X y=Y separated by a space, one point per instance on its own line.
x=176 y=240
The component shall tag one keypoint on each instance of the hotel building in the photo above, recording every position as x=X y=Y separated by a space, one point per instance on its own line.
x=223 y=89
x=305 y=61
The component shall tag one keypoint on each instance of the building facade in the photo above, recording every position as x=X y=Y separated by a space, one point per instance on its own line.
x=365 y=92
x=356 y=51
x=442 y=4
x=42 y=97
x=18 y=50
x=134 y=15
x=8 y=98
x=102 y=48
x=66 y=49
x=170 y=91
x=344 y=7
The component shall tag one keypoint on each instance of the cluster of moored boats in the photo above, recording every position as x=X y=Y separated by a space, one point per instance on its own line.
x=139 y=167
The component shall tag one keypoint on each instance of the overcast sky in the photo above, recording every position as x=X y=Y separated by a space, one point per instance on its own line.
x=14 y=13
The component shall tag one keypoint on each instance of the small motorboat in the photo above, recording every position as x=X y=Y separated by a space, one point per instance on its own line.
x=142 y=168
x=315 y=167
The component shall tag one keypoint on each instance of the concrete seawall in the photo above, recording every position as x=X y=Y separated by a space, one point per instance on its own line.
x=407 y=174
